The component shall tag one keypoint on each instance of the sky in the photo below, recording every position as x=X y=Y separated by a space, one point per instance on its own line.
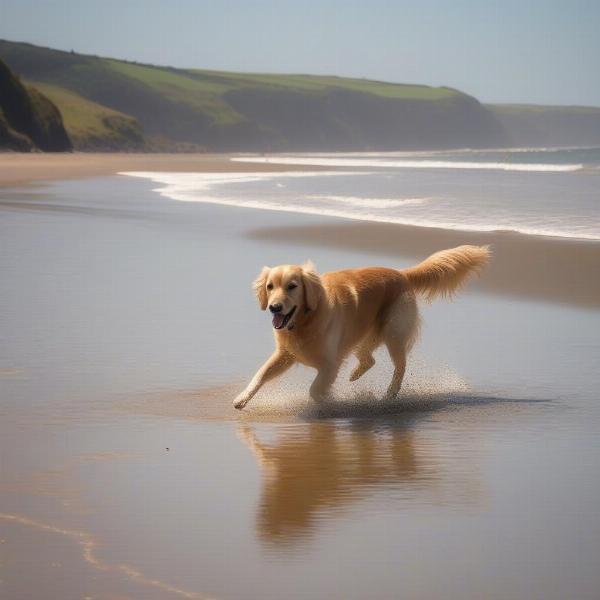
x=530 y=51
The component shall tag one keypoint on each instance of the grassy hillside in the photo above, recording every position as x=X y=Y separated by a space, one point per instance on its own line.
x=230 y=111
x=316 y=83
x=28 y=120
x=92 y=126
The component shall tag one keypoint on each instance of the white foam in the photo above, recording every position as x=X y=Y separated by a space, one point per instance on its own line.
x=408 y=164
x=369 y=202
x=192 y=187
x=195 y=187
x=205 y=181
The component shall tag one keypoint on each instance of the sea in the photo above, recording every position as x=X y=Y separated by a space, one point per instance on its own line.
x=548 y=192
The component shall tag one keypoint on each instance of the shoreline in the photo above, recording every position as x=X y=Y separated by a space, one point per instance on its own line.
x=559 y=270
x=20 y=169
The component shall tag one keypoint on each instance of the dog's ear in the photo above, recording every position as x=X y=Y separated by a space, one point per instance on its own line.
x=260 y=287
x=313 y=288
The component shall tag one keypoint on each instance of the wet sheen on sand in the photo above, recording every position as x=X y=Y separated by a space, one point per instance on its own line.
x=128 y=327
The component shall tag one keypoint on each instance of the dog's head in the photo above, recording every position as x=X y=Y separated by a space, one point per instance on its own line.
x=288 y=291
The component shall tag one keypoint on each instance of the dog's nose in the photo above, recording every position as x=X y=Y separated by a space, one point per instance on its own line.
x=275 y=308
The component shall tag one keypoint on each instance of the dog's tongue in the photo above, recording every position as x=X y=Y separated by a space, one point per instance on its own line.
x=278 y=320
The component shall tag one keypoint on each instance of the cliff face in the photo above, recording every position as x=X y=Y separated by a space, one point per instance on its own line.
x=547 y=126
x=345 y=120
x=28 y=120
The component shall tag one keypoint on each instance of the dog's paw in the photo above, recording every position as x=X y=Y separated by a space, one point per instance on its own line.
x=241 y=401
x=362 y=368
x=319 y=396
x=356 y=374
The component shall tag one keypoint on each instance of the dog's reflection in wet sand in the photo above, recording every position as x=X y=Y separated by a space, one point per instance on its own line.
x=323 y=466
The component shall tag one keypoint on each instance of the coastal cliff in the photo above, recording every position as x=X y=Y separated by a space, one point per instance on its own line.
x=116 y=105
x=28 y=119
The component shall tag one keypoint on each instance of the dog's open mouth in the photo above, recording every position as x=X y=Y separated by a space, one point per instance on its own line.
x=280 y=320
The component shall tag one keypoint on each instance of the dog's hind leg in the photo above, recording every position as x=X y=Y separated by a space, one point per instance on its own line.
x=324 y=380
x=365 y=362
x=399 y=335
x=398 y=355
x=364 y=354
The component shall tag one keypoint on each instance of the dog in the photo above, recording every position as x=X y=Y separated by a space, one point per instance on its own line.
x=319 y=320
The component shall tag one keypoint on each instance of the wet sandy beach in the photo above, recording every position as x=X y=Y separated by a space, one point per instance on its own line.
x=19 y=169
x=127 y=474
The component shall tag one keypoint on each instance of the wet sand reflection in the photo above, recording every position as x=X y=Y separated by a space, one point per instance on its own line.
x=321 y=469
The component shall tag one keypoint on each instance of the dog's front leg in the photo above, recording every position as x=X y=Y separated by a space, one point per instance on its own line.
x=260 y=451
x=323 y=381
x=278 y=363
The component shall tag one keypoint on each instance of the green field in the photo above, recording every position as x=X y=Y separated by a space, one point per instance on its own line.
x=320 y=83
x=89 y=124
x=199 y=94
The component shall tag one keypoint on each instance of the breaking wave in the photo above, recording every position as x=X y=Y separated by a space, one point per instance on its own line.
x=322 y=161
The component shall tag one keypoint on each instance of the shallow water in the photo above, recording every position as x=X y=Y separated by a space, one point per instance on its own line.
x=126 y=471
x=551 y=193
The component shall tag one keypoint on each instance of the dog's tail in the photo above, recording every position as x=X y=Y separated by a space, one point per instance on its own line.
x=445 y=272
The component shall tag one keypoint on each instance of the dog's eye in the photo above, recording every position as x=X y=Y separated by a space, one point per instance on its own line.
x=269 y=286
x=292 y=286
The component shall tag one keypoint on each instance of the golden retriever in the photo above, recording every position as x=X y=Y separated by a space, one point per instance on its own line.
x=319 y=320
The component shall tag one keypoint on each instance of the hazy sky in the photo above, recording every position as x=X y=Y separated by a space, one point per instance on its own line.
x=542 y=51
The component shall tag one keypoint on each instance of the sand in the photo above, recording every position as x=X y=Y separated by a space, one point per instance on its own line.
x=18 y=169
